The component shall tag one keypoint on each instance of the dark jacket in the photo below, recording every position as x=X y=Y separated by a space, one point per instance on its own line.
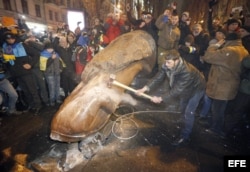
x=66 y=56
x=246 y=42
x=190 y=54
x=183 y=81
x=16 y=68
x=33 y=49
x=151 y=29
x=245 y=76
x=212 y=29
x=134 y=21
x=184 y=30
x=202 y=41
x=49 y=65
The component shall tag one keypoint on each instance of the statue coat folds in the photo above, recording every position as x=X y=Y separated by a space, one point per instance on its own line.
x=88 y=108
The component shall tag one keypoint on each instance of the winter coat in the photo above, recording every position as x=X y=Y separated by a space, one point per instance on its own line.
x=245 y=76
x=184 y=30
x=112 y=30
x=212 y=29
x=246 y=42
x=151 y=29
x=37 y=48
x=50 y=66
x=190 y=54
x=22 y=55
x=224 y=76
x=83 y=40
x=202 y=41
x=184 y=80
x=169 y=35
x=136 y=23
x=66 y=56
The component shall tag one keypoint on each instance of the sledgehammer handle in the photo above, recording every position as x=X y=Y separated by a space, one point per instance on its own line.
x=130 y=89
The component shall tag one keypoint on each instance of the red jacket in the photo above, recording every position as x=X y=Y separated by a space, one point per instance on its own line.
x=113 y=29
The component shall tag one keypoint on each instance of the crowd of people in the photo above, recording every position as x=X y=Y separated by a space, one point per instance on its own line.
x=217 y=76
x=206 y=67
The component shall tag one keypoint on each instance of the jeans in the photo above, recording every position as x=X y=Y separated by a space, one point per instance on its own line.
x=28 y=85
x=6 y=87
x=218 y=108
x=53 y=82
x=206 y=106
x=41 y=84
x=238 y=111
x=188 y=108
x=68 y=82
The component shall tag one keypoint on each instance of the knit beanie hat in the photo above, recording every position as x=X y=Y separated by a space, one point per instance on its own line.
x=233 y=20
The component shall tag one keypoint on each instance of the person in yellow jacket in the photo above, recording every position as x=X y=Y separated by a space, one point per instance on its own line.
x=51 y=64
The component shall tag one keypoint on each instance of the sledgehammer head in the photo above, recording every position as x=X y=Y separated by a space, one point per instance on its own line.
x=111 y=79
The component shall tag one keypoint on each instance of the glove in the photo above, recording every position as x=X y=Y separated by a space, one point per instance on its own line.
x=165 y=19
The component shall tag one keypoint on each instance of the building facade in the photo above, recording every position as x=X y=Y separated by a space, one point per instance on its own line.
x=47 y=14
x=40 y=15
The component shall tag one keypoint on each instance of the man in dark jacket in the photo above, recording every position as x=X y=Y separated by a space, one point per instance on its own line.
x=65 y=51
x=137 y=23
x=245 y=37
x=213 y=22
x=19 y=58
x=186 y=83
x=37 y=48
x=184 y=26
x=201 y=40
x=238 y=109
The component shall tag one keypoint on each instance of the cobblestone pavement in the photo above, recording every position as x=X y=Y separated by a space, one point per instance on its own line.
x=139 y=139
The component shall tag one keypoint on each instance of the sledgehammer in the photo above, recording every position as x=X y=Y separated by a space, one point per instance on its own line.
x=116 y=83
